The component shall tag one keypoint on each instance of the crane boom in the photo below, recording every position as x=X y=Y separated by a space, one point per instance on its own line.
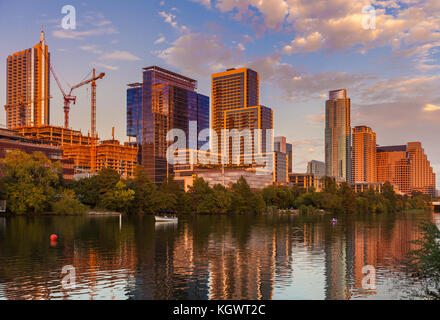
x=67 y=98
x=87 y=82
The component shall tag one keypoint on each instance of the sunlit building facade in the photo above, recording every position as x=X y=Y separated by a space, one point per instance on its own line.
x=406 y=167
x=242 y=128
x=28 y=87
x=338 y=135
x=363 y=155
x=232 y=89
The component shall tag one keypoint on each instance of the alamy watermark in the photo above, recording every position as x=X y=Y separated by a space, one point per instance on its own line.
x=69 y=20
x=369 y=280
x=68 y=282
x=237 y=147
x=369 y=18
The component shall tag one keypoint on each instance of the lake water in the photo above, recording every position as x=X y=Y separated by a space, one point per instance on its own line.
x=208 y=257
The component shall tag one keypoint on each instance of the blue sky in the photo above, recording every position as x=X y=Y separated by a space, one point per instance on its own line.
x=301 y=48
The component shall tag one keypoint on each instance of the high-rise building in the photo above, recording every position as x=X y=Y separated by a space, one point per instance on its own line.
x=233 y=89
x=28 y=87
x=317 y=168
x=251 y=119
x=363 y=155
x=235 y=105
x=406 y=167
x=168 y=101
x=282 y=159
x=134 y=109
x=338 y=136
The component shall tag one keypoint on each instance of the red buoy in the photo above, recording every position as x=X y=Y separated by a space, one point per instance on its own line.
x=53 y=237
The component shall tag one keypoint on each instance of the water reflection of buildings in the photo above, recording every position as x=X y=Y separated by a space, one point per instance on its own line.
x=216 y=258
x=375 y=243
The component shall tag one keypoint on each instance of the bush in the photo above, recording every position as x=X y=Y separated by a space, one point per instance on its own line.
x=68 y=204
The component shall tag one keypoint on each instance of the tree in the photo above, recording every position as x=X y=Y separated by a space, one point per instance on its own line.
x=389 y=194
x=86 y=191
x=425 y=261
x=69 y=204
x=145 y=198
x=348 y=200
x=31 y=181
x=117 y=198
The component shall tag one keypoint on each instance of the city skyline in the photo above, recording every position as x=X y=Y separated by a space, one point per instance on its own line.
x=391 y=91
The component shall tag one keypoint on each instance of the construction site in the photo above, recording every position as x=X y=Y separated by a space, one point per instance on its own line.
x=28 y=113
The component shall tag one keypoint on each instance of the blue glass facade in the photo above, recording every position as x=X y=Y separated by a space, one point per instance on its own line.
x=134 y=103
x=164 y=101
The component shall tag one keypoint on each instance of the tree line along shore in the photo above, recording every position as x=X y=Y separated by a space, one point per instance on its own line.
x=32 y=184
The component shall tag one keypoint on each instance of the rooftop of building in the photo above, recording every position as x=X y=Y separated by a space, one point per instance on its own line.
x=392 y=148
x=171 y=74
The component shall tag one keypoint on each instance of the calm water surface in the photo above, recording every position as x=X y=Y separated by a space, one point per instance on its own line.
x=208 y=257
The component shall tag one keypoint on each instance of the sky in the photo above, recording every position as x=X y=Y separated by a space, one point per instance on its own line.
x=301 y=48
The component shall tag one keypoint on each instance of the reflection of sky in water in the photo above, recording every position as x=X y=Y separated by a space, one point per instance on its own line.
x=241 y=257
x=308 y=278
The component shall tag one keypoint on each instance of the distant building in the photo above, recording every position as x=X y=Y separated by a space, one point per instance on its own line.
x=28 y=87
x=406 y=167
x=360 y=187
x=363 y=155
x=225 y=177
x=317 y=168
x=282 y=159
x=338 y=136
x=165 y=100
x=306 y=181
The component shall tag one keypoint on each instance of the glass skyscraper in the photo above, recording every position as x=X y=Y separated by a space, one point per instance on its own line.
x=338 y=136
x=165 y=100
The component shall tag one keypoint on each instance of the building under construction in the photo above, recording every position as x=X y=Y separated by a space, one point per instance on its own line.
x=28 y=114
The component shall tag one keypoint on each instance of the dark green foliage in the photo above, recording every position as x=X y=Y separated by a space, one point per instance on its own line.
x=31 y=182
x=68 y=204
x=424 y=262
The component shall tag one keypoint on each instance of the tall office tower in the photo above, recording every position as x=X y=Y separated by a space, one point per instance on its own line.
x=289 y=150
x=168 y=101
x=134 y=109
x=232 y=89
x=406 y=167
x=363 y=155
x=281 y=159
x=281 y=145
x=317 y=168
x=28 y=86
x=338 y=136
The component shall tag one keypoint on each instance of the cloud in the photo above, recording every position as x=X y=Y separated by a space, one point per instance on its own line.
x=200 y=54
x=171 y=20
x=119 y=55
x=337 y=25
x=103 y=65
x=91 y=48
x=205 y=3
x=160 y=40
x=80 y=35
x=312 y=42
x=88 y=24
x=430 y=107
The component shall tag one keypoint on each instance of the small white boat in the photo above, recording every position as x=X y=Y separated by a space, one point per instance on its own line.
x=166 y=219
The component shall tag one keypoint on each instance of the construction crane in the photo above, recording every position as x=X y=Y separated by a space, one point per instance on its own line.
x=93 y=81
x=70 y=98
x=67 y=98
